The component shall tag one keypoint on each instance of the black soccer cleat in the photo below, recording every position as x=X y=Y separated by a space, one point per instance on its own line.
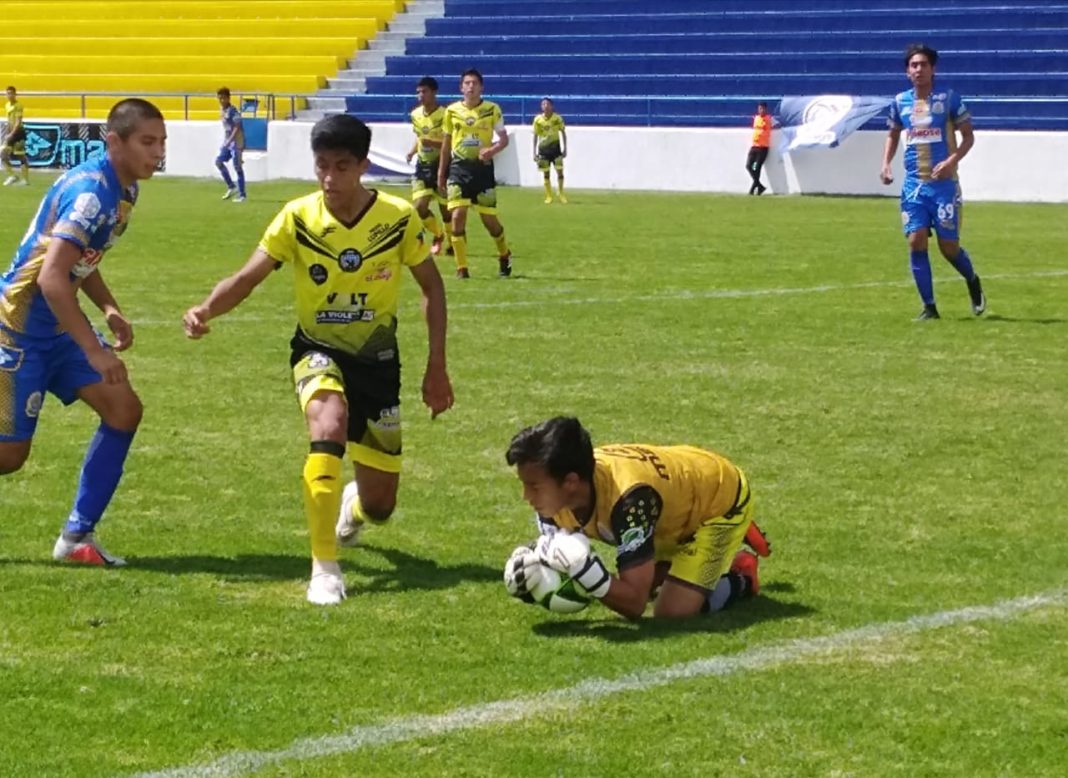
x=975 y=291
x=929 y=312
x=506 y=265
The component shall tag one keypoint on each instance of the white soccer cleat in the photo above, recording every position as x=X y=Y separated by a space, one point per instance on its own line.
x=21 y=182
x=348 y=529
x=85 y=552
x=239 y=199
x=326 y=588
x=11 y=180
x=229 y=193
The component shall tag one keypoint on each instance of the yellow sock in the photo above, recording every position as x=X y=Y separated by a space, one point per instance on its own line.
x=26 y=171
x=502 y=244
x=459 y=247
x=431 y=223
x=548 y=188
x=322 y=500
x=448 y=231
x=560 y=184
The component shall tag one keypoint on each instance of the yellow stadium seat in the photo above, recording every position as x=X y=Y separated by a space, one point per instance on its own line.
x=152 y=48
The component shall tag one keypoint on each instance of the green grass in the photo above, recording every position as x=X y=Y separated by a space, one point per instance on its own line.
x=900 y=468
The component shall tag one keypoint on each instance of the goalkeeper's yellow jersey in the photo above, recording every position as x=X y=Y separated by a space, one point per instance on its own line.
x=347 y=276
x=547 y=129
x=428 y=126
x=472 y=129
x=646 y=497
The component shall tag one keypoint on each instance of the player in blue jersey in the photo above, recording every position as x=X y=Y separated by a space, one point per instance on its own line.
x=46 y=342
x=232 y=148
x=930 y=194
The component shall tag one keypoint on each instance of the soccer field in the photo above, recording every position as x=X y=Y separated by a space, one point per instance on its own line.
x=905 y=472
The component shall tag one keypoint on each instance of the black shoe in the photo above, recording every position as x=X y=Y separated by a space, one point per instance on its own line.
x=975 y=290
x=761 y=189
x=506 y=265
x=449 y=251
x=929 y=312
x=463 y=272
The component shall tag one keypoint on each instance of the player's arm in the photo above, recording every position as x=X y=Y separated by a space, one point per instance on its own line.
x=444 y=162
x=97 y=290
x=493 y=150
x=563 y=144
x=948 y=167
x=228 y=293
x=62 y=297
x=437 y=390
x=412 y=150
x=893 y=137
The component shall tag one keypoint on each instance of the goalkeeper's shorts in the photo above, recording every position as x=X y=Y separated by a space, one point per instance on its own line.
x=704 y=560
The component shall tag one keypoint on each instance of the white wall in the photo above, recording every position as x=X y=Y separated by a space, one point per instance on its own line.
x=1019 y=166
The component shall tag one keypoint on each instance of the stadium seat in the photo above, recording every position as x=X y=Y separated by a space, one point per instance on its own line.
x=692 y=62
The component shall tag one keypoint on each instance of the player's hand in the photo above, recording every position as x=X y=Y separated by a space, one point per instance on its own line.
x=409 y=155
x=486 y=154
x=886 y=175
x=943 y=170
x=121 y=328
x=516 y=579
x=110 y=367
x=195 y=322
x=570 y=553
x=437 y=390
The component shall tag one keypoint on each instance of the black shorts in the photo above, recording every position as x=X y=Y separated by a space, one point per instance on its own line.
x=472 y=183
x=549 y=153
x=372 y=390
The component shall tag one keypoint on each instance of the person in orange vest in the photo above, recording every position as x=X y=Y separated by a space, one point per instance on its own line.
x=758 y=152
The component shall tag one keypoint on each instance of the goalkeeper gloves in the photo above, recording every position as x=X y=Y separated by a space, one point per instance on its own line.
x=570 y=553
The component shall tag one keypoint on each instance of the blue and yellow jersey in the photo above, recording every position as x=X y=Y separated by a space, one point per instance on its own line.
x=547 y=129
x=231 y=118
x=347 y=276
x=428 y=126
x=13 y=110
x=86 y=206
x=646 y=497
x=929 y=129
x=472 y=129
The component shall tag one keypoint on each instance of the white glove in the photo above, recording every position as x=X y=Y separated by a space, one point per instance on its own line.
x=524 y=574
x=570 y=553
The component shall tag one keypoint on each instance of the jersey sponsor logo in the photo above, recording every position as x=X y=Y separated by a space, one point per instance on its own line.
x=318 y=274
x=923 y=135
x=344 y=317
x=350 y=260
x=33 y=404
x=381 y=274
x=938 y=108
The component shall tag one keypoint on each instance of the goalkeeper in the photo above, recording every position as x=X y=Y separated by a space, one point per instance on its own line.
x=677 y=516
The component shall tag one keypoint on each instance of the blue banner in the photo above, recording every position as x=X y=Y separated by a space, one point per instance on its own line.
x=824 y=120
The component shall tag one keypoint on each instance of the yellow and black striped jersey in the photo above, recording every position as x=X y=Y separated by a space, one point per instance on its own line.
x=428 y=126
x=547 y=129
x=646 y=497
x=472 y=129
x=347 y=276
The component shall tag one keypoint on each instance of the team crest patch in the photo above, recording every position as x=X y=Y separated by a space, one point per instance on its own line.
x=631 y=540
x=317 y=360
x=10 y=358
x=33 y=404
x=350 y=260
x=318 y=274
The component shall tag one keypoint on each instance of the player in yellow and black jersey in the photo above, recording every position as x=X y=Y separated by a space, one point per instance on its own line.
x=14 y=141
x=465 y=170
x=550 y=147
x=677 y=516
x=428 y=120
x=347 y=246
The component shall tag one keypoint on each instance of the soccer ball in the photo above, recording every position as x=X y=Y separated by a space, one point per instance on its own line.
x=558 y=593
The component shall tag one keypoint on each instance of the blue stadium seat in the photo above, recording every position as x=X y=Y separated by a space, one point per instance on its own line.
x=699 y=63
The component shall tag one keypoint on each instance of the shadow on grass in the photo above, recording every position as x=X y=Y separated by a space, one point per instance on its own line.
x=1021 y=320
x=617 y=630
x=401 y=571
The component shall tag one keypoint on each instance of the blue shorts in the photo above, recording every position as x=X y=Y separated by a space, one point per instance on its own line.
x=226 y=153
x=29 y=367
x=934 y=204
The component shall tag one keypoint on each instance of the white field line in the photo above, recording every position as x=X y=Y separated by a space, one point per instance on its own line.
x=522 y=708
x=548 y=295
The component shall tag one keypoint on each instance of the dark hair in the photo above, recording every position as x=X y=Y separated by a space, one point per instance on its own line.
x=429 y=82
x=341 y=132
x=223 y=92
x=763 y=105
x=921 y=48
x=548 y=100
x=561 y=445
x=11 y=89
x=125 y=115
x=471 y=72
